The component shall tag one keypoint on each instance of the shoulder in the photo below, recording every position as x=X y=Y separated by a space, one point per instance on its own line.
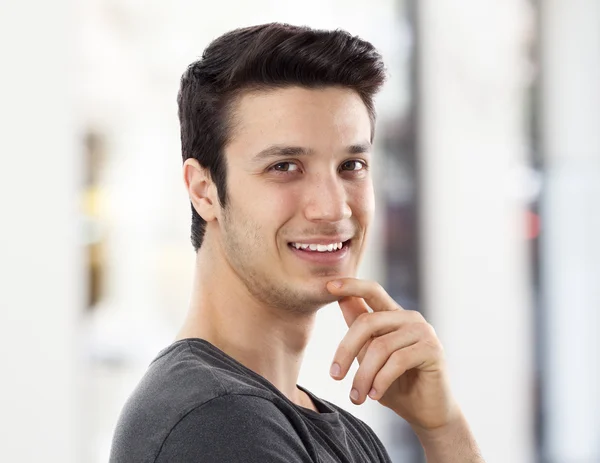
x=182 y=387
x=234 y=428
x=174 y=383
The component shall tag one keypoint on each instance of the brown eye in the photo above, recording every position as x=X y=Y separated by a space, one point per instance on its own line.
x=353 y=165
x=285 y=167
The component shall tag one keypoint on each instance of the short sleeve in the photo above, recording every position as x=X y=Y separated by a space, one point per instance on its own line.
x=234 y=429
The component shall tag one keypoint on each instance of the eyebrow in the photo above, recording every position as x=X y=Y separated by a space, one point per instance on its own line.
x=276 y=151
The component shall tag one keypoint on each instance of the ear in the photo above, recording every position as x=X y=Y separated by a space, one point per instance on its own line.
x=201 y=189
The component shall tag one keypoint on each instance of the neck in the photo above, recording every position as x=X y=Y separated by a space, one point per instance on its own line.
x=270 y=341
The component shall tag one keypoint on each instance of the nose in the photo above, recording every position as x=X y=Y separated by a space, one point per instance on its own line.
x=326 y=200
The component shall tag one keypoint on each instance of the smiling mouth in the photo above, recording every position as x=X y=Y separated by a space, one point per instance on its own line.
x=329 y=248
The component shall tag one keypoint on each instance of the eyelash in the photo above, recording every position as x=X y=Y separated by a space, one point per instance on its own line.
x=365 y=166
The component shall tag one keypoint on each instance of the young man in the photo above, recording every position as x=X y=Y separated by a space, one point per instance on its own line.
x=277 y=126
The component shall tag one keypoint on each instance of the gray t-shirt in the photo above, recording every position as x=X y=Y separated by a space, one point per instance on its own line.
x=197 y=404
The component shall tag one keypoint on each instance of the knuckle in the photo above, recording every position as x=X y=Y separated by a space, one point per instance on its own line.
x=441 y=352
x=428 y=332
x=380 y=345
x=431 y=343
x=397 y=359
x=424 y=328
x=374 y=287
x=417 y=316
x=363 y=319
x=437 y=347
x=417 y=330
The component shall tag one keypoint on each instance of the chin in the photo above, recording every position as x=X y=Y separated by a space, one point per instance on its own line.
x=319 y=295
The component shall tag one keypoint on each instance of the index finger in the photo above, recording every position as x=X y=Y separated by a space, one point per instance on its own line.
x=372 y=292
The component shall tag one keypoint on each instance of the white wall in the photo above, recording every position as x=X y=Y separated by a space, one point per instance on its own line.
x=40 y=263
x=570 y=245
x=472 y=137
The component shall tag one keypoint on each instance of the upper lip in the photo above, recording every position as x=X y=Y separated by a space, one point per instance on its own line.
x=330 y=240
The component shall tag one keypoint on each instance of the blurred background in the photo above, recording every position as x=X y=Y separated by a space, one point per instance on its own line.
x=488 y=220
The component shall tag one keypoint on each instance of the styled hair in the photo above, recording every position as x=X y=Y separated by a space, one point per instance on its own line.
x=264 y=57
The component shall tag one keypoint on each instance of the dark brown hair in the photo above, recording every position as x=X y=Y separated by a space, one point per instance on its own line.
x=260 y=58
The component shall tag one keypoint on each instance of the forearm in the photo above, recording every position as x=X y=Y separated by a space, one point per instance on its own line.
x=454 y=444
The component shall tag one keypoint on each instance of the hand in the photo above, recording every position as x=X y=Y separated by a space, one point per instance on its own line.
x=401 y=360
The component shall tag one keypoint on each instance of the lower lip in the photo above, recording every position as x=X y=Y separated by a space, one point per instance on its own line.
x=327 y=257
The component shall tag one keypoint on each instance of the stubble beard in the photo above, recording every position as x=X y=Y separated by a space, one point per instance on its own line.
x=245 y=262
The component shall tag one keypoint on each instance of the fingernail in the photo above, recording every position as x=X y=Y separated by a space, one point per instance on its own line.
x=372 y=393
x=354 y=394
x=335 y=370
x=337 y=283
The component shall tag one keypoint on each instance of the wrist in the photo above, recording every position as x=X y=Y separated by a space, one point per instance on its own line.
x=457 y=425
x=452 y=442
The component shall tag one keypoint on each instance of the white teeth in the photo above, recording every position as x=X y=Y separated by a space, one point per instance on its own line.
x=319 y=247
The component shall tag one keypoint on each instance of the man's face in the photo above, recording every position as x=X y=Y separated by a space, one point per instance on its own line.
x=297 y=175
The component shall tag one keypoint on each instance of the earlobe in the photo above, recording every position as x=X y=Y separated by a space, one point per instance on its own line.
x=201 y=189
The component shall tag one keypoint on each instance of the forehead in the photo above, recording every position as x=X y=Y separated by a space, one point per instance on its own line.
x=323 y=119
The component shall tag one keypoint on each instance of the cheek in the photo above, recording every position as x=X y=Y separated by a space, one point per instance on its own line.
x=272 y=209
x=284 y=207
x=285 y=203
x=362 y=202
